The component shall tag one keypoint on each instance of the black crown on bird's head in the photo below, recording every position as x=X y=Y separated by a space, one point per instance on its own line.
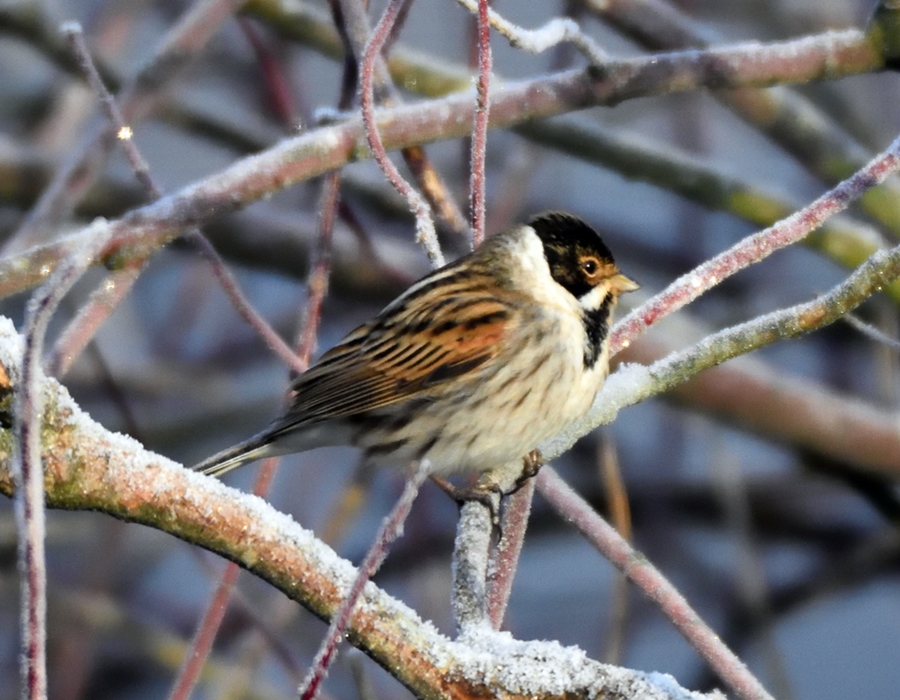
x=567 y=241
x=559 y=229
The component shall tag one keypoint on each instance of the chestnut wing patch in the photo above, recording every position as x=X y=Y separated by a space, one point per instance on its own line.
x=408 y=352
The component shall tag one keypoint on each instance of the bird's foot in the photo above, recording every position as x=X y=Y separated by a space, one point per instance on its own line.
x=488 y=492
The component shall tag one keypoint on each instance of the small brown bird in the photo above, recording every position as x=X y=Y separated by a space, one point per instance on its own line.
x=472 y=367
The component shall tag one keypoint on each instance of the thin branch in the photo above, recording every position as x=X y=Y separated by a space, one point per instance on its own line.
x=75 y=36
x=620 y=514
x=504 y=559
x=425 y=233
x=278 y=89
x=554 y=32
x=478 y=183
x=633 y=383
x=241 y=303
x=106 y=298
x=603 y=536
x=201 y=644
x=320 y=269
x=351 y=18
x=754 y=248
x=390 y=530
x=27 y=466
x=868 y=330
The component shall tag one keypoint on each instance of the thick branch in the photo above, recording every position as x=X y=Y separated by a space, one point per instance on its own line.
x=89 y=468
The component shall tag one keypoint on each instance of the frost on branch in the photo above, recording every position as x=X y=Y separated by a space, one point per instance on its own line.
x=90 y=467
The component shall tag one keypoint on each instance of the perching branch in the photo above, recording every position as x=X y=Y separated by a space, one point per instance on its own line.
x=87 y=467
x=633 y=383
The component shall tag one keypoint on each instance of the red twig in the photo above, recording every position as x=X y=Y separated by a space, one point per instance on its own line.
x=317 y=288
x=603 y=536
x=201 y=644
x=477 y=186
x=505 y=556
x=241 y=304
x=391 y=529
x=28 y=472
x=754 y=248
x=73 y=32
x=278 y=90
x=320 y=268
x=425 y=233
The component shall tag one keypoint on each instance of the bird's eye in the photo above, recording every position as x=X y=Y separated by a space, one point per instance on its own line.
x=589 y=266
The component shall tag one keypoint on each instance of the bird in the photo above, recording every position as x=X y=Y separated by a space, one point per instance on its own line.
x=471 y=367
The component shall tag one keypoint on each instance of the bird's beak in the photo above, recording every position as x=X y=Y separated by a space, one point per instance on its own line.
x=621 y=284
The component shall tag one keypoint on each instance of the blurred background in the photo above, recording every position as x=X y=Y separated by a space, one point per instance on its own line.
x=792 y=555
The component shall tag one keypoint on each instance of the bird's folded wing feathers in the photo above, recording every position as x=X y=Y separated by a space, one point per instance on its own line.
x=378 y=365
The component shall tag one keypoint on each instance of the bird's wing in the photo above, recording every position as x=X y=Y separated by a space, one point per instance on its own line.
x=434 y=334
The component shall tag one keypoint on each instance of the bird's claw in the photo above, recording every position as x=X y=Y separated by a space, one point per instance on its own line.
x=491 y=494
x=488 y=495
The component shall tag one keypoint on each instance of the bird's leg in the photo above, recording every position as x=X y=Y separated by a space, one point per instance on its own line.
x=489 y=495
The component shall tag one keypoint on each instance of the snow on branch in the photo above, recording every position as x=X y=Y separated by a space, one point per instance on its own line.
x=90 y=468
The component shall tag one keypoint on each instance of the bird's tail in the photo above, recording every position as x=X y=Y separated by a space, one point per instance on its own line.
x=250 y=450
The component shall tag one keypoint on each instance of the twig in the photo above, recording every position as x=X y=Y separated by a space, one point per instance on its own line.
x=351 y=18
x=425 y=233
x=554 y=32
x=754 y=248
x=478 y=183
x=868 y=330
x=633 y=383
x=75 y=36
x=27 y=465
x=620 y=514
x=390 y=530
x=201 y=644
x=577 y=511
x=240 y=302
x=730 y=488
x=278 y=89
x=470 y=566
x=105 y=299
x=320 y=268
x=505 y=556
x=79 y=172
